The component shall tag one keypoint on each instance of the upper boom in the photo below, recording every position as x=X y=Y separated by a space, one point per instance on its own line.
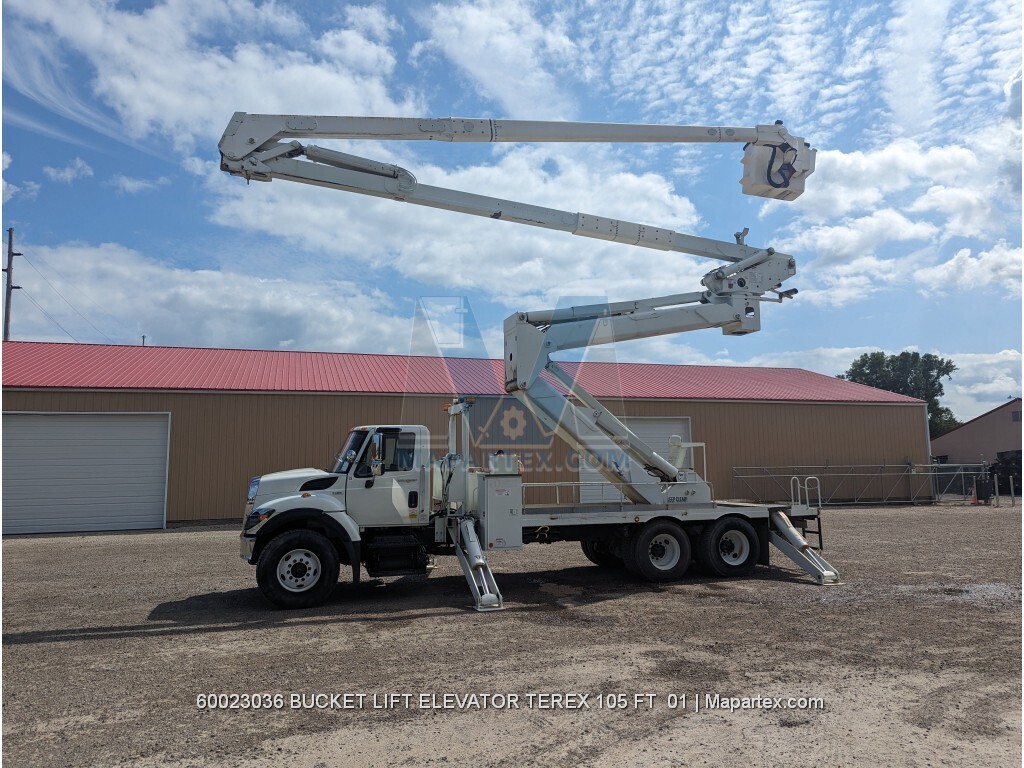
x=776 y=164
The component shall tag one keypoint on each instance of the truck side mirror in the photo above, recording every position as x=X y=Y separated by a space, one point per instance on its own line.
x=377 y=467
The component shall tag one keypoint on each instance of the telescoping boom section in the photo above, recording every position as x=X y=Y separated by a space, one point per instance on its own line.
x=667 y=516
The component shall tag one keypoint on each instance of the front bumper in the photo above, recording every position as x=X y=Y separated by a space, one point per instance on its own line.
x=248 y=545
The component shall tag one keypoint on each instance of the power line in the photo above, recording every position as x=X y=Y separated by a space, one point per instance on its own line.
x=51 y=317
x=90 y=322
x=49 y=267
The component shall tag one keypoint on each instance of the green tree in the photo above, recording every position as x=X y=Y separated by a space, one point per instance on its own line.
x=911 y=374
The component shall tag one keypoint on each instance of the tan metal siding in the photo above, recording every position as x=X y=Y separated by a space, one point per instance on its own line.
x=737 y=434
x=219 y=440
x=797 y=434
x=983 y=438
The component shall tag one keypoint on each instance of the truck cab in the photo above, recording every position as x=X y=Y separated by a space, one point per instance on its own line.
x=385 y=469
x=369 y=503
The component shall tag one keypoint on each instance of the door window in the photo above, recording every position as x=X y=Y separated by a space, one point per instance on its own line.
x=396 y=450
x=399 y=451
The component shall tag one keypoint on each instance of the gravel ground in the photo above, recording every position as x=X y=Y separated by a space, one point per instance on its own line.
x=109 y=639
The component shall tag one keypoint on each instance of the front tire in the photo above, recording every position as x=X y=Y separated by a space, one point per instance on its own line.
x=729 y=547
x=298 y=569
x=660 y=552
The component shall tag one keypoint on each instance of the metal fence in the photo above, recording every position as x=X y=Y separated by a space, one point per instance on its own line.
x=863 y=483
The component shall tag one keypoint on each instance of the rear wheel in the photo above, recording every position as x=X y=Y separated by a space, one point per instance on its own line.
x=298 y=569
x=729 y=547
x=659 y=552
x=599 y=553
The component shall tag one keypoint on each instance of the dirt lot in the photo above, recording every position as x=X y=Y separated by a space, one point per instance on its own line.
x=109 y=639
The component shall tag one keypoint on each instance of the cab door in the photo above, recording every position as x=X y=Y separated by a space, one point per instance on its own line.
x=384 y=487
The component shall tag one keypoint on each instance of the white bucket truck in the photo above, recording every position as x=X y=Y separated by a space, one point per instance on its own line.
x=388 y=507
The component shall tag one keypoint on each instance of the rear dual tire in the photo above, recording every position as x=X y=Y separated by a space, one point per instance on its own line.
x=659 y=552
x=729 y=547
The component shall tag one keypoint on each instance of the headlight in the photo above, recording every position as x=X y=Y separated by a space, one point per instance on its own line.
x=250 y=500
x=256 y=517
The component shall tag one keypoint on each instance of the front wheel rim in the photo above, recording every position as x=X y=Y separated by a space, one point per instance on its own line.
x=734 y=548
x=298 y=570
x=664 y=552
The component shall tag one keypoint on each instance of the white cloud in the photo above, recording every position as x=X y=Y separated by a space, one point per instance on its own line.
x=27 y=190
x=129 y=185
x=371 y=20
x=734 y=64
x=33 y=67
x=508 y=54
x=859 y=238
x=912 y=192
x=76 y=169
x=364 y=46
x=353 y=51
x=998 y=267
x=968 y=212
x=12 y=116
x=979 y=53
x=1012 y=92
x=123 y=290
x=851 y=182
x=910 y=62
x=9 y=190
x=185 y=103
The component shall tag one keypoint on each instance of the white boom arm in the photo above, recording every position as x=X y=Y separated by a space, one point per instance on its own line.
x=532 y=337
x=776 y=165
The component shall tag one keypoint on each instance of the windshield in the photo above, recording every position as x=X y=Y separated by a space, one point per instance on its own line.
x=353 y=443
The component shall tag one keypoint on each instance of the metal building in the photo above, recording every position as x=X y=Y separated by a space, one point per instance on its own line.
x=984 y=439
x=99 y=437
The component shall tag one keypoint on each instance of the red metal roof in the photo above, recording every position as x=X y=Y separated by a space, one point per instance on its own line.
x=97 y=366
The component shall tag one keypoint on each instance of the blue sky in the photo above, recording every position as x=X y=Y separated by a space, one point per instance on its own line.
x=908 y=237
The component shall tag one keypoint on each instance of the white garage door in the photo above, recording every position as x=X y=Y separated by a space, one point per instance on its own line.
x=653 y=431
x=84 y=472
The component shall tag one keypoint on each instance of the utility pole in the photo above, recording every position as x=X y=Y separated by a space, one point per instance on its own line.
x=10 y=282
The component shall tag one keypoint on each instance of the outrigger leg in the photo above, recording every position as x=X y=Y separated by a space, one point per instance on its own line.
x=787 y=538
x=478 y=574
